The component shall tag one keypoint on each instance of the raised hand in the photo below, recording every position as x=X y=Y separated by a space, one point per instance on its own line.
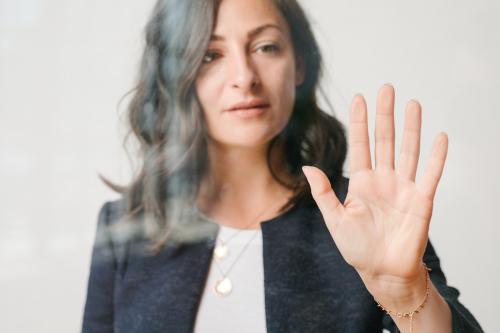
x=382 y=227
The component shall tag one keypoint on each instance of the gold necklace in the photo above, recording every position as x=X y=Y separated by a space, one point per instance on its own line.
x=223 y=286
x=221 y=250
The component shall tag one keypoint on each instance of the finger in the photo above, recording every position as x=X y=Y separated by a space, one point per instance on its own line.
x=410 y=148
x=435 y=166
x=359 y=143
x=384 y=128
x=323 y=194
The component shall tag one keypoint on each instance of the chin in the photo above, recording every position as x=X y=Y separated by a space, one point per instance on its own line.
x=246 y=141
x=254 y=136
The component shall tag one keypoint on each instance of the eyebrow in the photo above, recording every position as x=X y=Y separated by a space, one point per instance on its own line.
x=252 y=33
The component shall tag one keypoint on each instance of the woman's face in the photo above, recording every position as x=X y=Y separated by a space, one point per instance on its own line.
x=249 y=65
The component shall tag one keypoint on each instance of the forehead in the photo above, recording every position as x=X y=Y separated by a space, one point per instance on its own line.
x=248 y=18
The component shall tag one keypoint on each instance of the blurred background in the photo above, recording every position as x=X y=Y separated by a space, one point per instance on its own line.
x=64 y=65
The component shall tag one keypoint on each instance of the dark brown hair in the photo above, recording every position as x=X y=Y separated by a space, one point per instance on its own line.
x=167 y=120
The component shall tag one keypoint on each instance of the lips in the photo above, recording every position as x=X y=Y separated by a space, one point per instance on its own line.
x=251 y=104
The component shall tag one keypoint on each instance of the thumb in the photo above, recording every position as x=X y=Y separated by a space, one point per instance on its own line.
x=323 y=194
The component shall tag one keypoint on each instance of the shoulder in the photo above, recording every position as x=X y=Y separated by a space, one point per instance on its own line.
x=112 y=211
x=116 y=228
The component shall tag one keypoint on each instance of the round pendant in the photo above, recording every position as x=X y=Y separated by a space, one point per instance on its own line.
x=221 y=251
x=223 y=287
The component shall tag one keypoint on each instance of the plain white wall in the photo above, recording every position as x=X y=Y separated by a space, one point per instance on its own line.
x=65 y=64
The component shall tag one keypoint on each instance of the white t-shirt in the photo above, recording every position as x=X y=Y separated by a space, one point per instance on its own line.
x=243 y=309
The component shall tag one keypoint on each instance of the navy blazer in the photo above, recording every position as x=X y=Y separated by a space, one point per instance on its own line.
x=309 y=287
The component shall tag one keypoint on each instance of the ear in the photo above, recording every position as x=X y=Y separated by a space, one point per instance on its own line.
x=300 y=72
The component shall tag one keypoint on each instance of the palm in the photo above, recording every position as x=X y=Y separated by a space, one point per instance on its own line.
x=378 y=231
x=382 y=227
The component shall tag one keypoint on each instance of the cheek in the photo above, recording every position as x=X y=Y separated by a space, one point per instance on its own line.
x=204 y=91
x=283 y=83
x=207 y=91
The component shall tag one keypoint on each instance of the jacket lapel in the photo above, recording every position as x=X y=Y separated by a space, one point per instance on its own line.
x=174 y=280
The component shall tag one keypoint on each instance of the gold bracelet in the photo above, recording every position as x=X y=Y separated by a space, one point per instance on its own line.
x=410 y=314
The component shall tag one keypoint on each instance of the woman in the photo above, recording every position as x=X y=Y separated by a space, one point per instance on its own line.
x=226 y=115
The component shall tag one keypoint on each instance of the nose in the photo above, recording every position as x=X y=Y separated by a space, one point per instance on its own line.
x=243 y=74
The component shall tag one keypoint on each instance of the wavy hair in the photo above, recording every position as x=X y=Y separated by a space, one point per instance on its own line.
x=167 y=120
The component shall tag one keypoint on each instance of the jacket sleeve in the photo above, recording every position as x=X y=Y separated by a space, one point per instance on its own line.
x=98 y=311
x=462 y=320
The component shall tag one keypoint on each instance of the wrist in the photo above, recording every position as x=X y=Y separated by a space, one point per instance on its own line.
x=396 y=295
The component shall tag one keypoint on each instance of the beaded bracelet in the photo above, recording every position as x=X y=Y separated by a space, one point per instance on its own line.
x=410 y=314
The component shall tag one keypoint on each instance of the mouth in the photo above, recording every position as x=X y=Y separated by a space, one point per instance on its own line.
x=249 y=105
x=249 y=112
x=249 y=109
x=259 y=106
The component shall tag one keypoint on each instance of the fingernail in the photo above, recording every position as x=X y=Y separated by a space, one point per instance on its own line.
x=304 y=169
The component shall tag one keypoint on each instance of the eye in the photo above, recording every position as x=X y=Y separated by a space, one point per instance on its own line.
x=210 y=56
x=270 y=48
